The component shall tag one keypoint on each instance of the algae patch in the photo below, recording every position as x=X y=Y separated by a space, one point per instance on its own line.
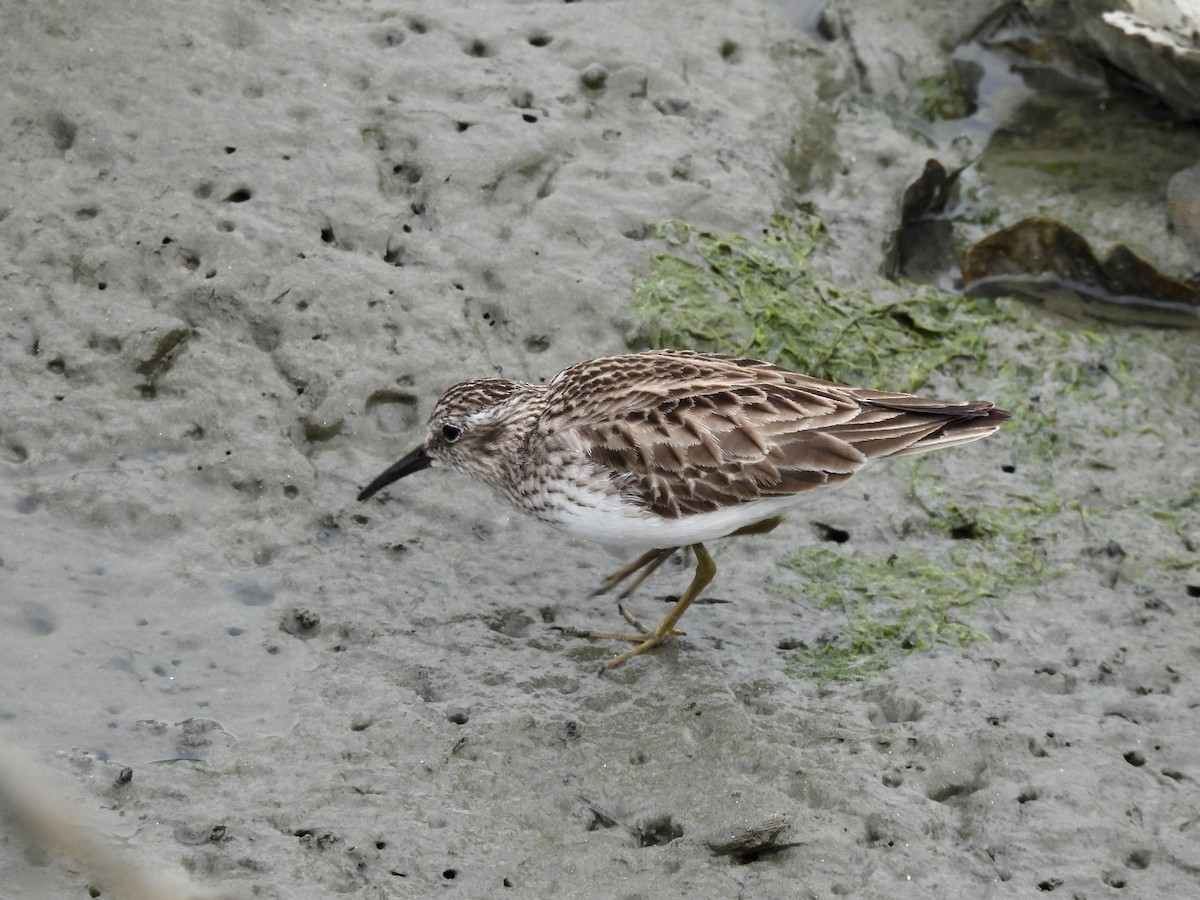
x=892 y=607
x=731 y=294
x=910 y=601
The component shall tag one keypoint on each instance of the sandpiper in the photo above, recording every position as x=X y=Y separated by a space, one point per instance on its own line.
x=671 y=448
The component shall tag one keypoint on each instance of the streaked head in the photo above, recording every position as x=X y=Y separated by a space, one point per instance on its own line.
x=472 y=429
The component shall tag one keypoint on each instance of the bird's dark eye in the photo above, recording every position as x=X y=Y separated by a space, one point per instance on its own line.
x=451 y=433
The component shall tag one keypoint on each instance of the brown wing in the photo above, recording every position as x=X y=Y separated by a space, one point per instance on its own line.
x=690 y=433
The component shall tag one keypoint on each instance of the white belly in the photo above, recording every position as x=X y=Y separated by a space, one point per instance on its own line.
x=612 y=522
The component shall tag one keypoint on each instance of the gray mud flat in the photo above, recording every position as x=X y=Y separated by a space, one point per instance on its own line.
x=243 y=249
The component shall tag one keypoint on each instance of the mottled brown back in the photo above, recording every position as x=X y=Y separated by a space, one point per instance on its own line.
x=690 y=433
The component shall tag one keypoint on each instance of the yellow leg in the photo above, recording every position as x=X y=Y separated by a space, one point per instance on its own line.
x=648 y=561
x=705 y=570
x=766 y=526
x=644 y=566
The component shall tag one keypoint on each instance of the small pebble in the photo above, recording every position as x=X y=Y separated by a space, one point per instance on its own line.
x=594 y=77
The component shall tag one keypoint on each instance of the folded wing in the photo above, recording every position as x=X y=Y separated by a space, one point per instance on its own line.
x=690 y=433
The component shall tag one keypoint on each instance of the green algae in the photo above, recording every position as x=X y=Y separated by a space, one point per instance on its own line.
x=912 y=601
x=944 y=97
x=892 y=607
x=762 y=297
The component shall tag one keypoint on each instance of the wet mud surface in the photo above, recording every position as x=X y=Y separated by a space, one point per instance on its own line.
x=242 y=260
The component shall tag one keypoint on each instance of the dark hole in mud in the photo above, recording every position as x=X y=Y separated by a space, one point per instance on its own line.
x=62 y=132
x=659 y=831
x=831 y=533
x=967 y=531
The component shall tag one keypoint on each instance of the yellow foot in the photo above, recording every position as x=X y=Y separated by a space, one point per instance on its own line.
x=593 y=635
x=648 y=639
x=649 y=643
x=645 y=640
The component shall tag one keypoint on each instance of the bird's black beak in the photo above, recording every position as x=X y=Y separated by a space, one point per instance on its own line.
x=413 y=462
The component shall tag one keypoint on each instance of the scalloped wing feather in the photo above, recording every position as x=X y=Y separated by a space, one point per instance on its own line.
x=687 y=433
